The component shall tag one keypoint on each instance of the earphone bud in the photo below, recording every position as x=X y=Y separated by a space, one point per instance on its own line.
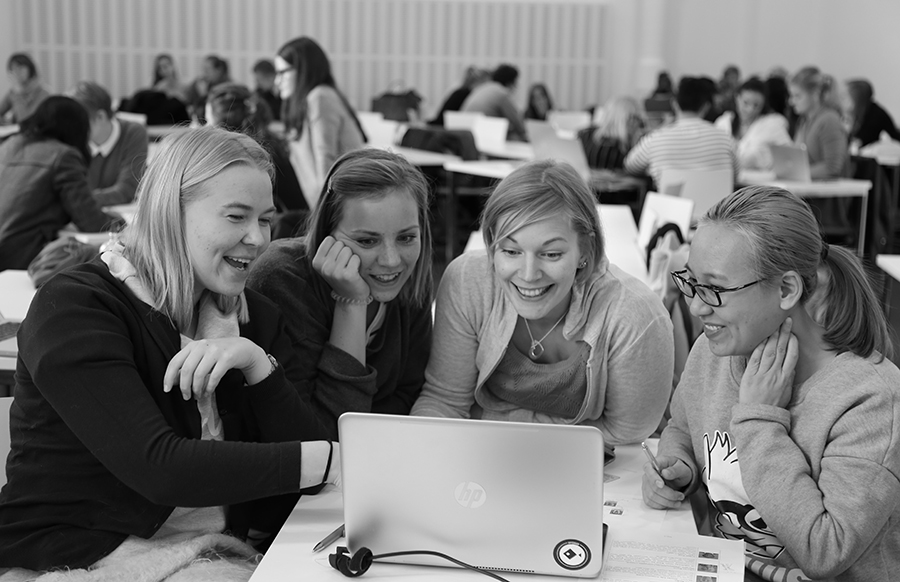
x=351 y=566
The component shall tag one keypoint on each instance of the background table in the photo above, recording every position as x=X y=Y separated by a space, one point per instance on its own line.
x=16 y=293
x=841 y=188
x=291 y=558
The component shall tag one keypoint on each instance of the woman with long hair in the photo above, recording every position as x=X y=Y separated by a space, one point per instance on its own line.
x=622 y=126
x=155 y=395
x=316 y=113
x=166 y=80
x=866 y=118
x=754 y=125
x=356 y=290
x=43 y=182
x=541 y=328
x=786 y=414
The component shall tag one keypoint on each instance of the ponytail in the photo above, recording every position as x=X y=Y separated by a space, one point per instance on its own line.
x=784 y=236
x=849 y=311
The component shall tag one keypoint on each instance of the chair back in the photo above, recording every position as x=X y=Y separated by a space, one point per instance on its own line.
x=5 y=404
x=461 y=119
x=379 y=131
x=620 y=237
x=489 y=132
x=660 y=209
x=704 y=187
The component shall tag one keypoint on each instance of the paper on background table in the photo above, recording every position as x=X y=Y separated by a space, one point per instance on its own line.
x=643 y=556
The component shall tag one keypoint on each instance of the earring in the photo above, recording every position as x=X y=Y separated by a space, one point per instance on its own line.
x=582 y=264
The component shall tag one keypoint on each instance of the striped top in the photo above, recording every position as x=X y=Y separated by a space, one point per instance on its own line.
x=687 y=144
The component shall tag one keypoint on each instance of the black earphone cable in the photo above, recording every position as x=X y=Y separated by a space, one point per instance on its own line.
x=358 y=564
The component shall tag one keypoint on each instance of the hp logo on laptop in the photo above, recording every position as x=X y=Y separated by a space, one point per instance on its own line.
x=470 y=494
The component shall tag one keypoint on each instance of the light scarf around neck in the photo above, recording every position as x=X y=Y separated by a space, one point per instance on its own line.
x=212 y=323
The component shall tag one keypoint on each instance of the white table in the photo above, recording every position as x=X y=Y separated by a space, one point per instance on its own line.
x=291 y=558
x=422 y=158
x=601 y=181
x=840 y=188
x=16 y=293
x=510 y=150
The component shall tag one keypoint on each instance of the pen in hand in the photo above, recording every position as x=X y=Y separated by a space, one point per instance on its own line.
x=330 y=539
x=653 y=462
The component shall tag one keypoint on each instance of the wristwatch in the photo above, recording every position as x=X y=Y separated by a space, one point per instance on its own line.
x=274 y=363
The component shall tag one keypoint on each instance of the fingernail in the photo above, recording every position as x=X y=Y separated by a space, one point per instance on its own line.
x=166 y=388
x=659 y=484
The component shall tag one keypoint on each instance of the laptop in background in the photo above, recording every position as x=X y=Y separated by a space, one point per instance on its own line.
x=790 y=162
x=548 y=145
x=502 y=496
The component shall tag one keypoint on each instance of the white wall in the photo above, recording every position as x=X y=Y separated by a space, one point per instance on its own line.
x=587 y=50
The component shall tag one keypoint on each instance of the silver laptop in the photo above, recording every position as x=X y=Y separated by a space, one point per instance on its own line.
x=503 y=496
x=790 y=162
x=548 y=145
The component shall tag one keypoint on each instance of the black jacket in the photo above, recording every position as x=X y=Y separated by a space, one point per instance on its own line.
x=100 y=452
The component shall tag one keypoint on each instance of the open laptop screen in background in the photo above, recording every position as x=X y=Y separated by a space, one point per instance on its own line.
x=502 y=496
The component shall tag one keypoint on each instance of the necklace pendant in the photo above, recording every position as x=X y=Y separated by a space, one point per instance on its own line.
x=536 y=350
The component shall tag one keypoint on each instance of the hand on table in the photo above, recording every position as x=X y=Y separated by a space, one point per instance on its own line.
x=662 y=494
x=769 y=375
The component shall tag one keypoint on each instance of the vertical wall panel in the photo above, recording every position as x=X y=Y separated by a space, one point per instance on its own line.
x=424 y=44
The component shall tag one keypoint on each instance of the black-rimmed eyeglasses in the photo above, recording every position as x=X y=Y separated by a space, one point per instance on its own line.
x=709 y=294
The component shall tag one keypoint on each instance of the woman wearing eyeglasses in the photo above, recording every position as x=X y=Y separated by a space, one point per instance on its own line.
x=317 y=115
x=788 y=409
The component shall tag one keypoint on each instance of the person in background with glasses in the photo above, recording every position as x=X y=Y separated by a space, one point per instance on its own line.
x=542 y=328
x=320 y=122
x=788 y=409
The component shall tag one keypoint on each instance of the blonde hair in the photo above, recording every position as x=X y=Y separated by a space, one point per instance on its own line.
x=155 y=241
x=617 y=116
x=537 y=191
x=783 y=235
x=815 y=82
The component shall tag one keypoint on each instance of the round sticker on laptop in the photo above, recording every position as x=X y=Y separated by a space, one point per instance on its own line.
x=572 y=554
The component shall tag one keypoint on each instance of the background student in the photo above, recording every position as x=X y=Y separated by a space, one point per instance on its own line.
x=233 y=107
x=118 y=147
x=690 y=143
x=494 y=99
x=787 y=409
x=356 y=291
x=26 y=93
x=43 y=182
x=318 y=116
x=542 y=328
x=154 y=394
x=754 y=126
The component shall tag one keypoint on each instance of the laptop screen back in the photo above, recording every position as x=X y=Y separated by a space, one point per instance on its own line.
x=499 y=495
x=790 y=163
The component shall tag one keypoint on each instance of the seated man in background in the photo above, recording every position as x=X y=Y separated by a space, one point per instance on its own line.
x=494 y=99
x=264 y=76
x=690 y=143
x=118 y=147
